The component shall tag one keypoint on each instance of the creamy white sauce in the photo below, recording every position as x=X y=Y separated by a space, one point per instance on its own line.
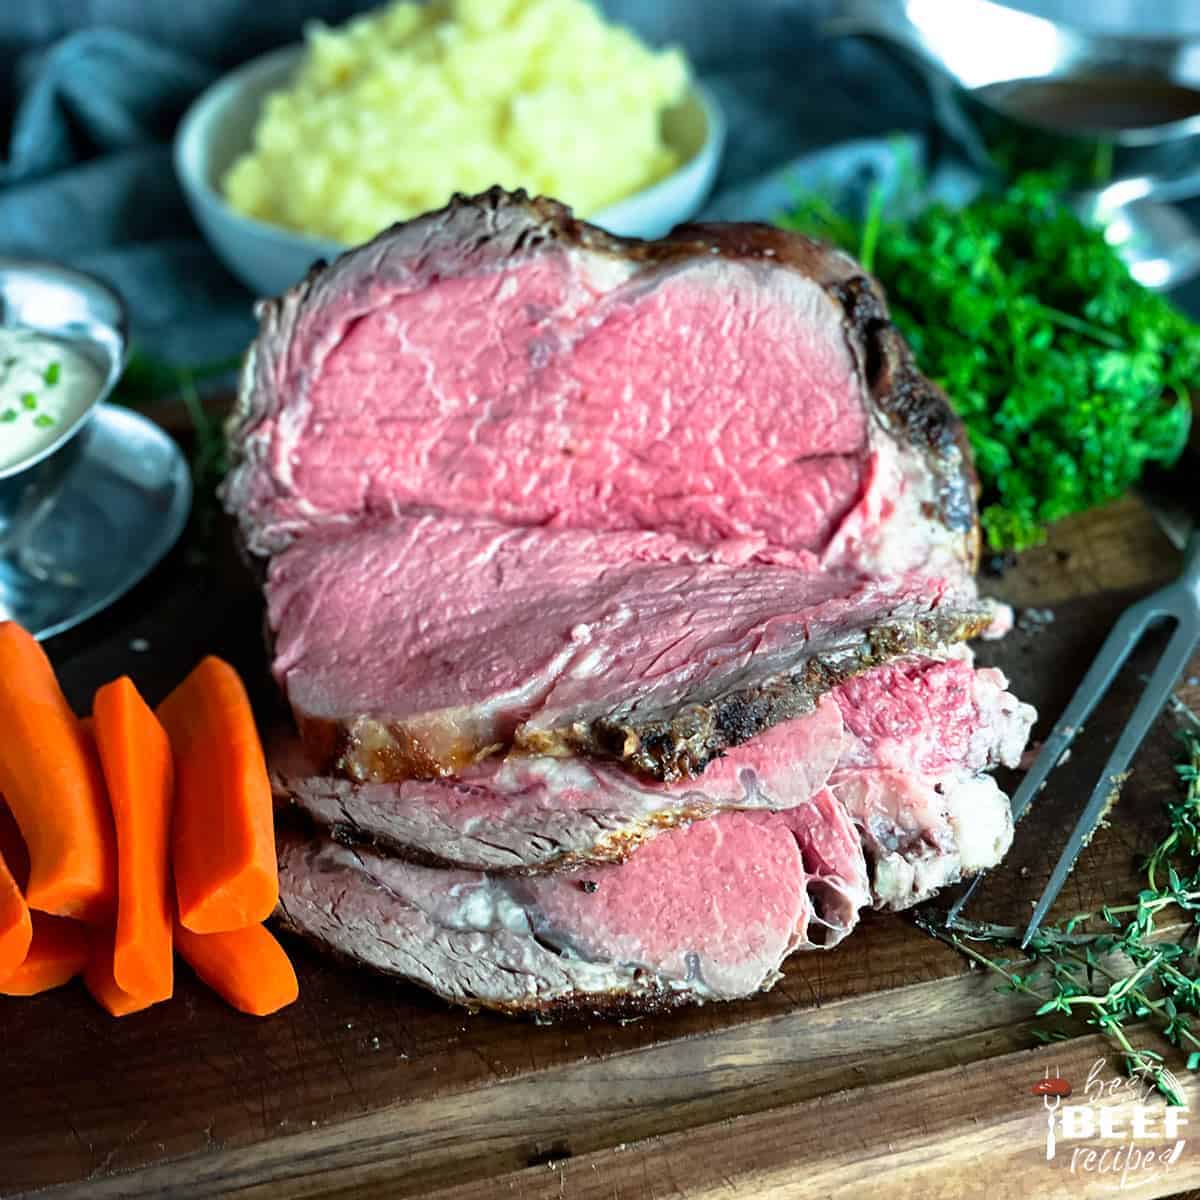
x=45 y=387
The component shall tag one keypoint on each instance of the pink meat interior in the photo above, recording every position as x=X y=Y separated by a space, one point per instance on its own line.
x=723 y=899
x=417 y=616
x=713 y=399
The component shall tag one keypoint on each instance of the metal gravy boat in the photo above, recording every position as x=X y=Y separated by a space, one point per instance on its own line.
x=1120 y=113
x=79 y=309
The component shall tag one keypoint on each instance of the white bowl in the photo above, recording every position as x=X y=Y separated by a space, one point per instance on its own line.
x=267 y=258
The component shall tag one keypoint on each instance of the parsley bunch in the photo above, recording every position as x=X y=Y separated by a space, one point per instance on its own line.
x=1128 y=972
x=1069 y=376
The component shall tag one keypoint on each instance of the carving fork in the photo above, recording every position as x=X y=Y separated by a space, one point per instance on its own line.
x=1178 y=602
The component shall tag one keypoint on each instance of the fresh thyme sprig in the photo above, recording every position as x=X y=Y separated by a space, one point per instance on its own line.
x=1129 y=972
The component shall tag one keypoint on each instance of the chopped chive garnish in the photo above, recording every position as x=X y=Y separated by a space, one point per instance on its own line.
x=51 y=374
x=8 y=416
x=43 y=420
x=11 y=361
x=29 y=400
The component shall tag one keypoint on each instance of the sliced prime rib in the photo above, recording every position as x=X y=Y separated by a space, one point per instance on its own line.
x=707 y=911
x=616 y=589
x=925 y=728
x=419 y=645
x=528 y=813
x=500 y=359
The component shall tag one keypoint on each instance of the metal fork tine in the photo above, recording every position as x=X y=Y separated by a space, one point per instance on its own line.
x=1118 y=646
x=1116 y=649
x=1170 y=667
x=1179 y=601
x=961 y=902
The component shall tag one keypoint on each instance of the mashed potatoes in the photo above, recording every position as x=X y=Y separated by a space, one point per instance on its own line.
x=388 y=116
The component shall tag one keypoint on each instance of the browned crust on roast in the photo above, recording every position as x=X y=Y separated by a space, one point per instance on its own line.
x=684 y=745
x=914 y=408
x=366 y=750
x=668 y=749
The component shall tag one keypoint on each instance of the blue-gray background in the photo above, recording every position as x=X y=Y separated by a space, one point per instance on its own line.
x=90 y=91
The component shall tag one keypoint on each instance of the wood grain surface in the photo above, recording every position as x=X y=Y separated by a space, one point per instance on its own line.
x=887 y=1061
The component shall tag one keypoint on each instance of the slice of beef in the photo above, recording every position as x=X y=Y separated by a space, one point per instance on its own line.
x=531 y=813
x=930 y=716
x=921 y=834
x=704 y=912
x=417 y=646
x=500 y=359
x=918 y=738
x=935 y=722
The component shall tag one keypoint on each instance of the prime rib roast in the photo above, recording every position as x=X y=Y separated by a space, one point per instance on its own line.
x=620 y=593
x=733 y=385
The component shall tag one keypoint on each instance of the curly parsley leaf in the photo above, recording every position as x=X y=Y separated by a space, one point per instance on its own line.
x=1069 y=376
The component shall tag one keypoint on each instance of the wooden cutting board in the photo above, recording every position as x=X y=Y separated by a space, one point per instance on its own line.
x=887 y=1061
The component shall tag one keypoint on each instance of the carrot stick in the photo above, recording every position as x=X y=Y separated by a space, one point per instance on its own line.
x=57 y=953
x=51 y=780
x=98 y=978
x=136 y=757
x=246 y=967
x=223 y=836
x=12 y=846
x=16 y=929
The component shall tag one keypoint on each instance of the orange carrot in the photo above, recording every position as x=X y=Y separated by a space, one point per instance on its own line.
x=16 y=929
x=12 y=846
x=51 y=780
x=136 y=758
x=57 y=953
x=98 y=978
x=223 y=835
x=246 y=967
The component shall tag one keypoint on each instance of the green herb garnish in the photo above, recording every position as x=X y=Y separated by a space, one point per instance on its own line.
x=44 y=420
x=28 y=400
x=1127 y=973
x=1069 y=376
x=8 y=416
x=51 y=374
x=147 y=380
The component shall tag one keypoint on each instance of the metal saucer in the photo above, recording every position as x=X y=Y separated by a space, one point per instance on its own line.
x=121 y=507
